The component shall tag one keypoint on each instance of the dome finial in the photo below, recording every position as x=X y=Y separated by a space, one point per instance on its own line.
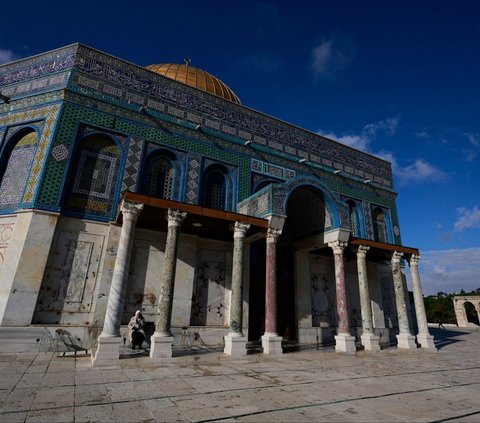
x=187 y=61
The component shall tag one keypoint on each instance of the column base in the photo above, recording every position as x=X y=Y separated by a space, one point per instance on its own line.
x=161 y=347
x=345 y=342
x=108 y=351
x=272 y=344
x=370 y=342
x=235 y=345
x=406 y=341
x=426 y=342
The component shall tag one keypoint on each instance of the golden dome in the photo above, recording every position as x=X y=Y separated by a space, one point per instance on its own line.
x=196 y=78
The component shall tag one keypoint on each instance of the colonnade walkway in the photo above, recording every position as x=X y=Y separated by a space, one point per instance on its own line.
x=310 y=385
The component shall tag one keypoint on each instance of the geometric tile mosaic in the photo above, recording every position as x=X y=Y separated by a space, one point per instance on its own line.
x=49 y=114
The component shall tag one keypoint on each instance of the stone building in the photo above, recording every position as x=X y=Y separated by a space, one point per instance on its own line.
x=460 y=304
x=125 y=188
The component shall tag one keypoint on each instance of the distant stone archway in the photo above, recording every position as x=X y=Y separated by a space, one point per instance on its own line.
x=460 y=303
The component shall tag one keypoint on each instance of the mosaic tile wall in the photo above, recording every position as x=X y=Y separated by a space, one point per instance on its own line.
x=173 y=112
x=181 y=139
x=105 y=76
x=39 y=117
x=144 y=88
x=17 y=170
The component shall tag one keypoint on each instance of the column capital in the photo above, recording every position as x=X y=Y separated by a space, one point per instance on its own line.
x=414 y=259
x=130 y=210
x=362 y=250
x=396 y=256
x=338 y=246
x=240 y=229
x=175 y=217
x=273 y=234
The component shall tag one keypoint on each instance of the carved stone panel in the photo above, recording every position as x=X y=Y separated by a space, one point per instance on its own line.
x=70 y=277
x=6 y=231
x=322 y=292
x=146 y=271
x=388 y=296
x=210 y=300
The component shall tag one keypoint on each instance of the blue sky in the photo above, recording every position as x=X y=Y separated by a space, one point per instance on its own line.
x=398 y=79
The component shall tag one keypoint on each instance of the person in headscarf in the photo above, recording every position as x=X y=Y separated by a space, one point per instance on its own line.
x=136 y=330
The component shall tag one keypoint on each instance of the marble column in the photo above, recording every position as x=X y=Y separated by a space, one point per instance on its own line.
x=109 y=340
x=369 y=340
x=423 y=337
x=162 y=339
x=271 y=342
x=405 y=339
x=344 y=341
x=235 y=342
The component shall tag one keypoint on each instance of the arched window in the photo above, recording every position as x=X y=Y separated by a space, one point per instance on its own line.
x=93 y=176
x=159 y=176
x=379 y=225
x=216 y=188
x=352 y=214
x=16 y=162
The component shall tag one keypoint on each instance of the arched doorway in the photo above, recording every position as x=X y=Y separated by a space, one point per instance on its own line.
x=306 y=216
x=471 y=312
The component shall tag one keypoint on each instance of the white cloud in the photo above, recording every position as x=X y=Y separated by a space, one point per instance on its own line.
x=369 y=132
x=421 y=134
x=467 y=218
x=329 y=58
x=359 y=142
x=389 y=126
x=450 y=270
x=470 y=153
x=419 y=171
x=474 y=139
x=7 y=56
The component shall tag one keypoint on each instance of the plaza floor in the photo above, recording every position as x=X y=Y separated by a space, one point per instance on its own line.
x=306 y=386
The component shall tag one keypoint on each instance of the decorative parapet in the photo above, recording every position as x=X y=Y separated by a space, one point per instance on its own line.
x=88 y=71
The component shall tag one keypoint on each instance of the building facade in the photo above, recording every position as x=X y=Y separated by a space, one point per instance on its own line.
x=125 y=188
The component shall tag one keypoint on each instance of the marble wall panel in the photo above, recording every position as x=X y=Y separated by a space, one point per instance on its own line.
x=322 y=291
x=71 y=276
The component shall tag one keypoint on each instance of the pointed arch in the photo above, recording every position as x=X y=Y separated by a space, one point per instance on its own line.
x=16 y=161
x=379 y=221
x=161 y=175
x=217 y=187
x=333 y=205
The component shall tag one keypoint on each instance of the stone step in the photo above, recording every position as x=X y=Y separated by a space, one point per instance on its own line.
x=22 y=339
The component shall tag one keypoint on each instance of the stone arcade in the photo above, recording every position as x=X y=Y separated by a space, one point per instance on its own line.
x=125 y=188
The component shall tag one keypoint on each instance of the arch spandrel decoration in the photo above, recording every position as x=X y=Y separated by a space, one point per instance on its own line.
x=273 y=199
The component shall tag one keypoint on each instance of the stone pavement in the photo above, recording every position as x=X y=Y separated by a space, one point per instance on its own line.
x=306 y=386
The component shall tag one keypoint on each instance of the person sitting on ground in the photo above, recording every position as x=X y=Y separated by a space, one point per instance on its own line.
x=136 y=330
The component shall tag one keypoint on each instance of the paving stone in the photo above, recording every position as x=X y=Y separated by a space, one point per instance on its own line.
x=30 y=380
x=94 y=413
x=9 y=380
x=53 y=398
x=13 y=417
x=163 y=410
x=51 y=415
x=307 y=386
x=133 y=411
x=19 y=400
x=91 y=394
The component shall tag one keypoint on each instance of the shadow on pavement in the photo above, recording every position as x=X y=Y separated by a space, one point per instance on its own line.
x=444 y=337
